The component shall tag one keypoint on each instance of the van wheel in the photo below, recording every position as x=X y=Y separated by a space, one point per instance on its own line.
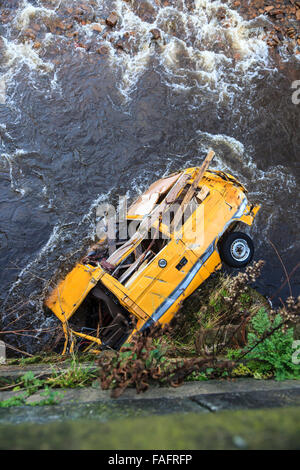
x=236 y=249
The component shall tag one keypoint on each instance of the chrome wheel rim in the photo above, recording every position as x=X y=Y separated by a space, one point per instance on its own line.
x=240 y=250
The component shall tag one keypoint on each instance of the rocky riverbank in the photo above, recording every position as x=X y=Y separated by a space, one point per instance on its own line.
x=70 y=22
x=283 y=16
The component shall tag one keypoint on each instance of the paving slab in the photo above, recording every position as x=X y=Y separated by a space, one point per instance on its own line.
x=13 y=372
x=199 y=397
x=249 y=400
x=101 y=411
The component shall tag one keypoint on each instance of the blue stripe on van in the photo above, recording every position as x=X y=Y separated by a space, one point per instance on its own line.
x=180 y=288
x=167 y=303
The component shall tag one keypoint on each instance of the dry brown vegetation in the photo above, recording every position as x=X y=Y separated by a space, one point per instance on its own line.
x=210 y=333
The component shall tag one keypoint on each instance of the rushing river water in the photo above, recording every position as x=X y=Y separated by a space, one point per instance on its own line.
x=79 y=126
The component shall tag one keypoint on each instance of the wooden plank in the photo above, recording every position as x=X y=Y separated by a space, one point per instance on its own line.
x=173 y=193
x=198 y=178
x=190 y=193
x=149 y=220
x=201 y=195
x=131 y=268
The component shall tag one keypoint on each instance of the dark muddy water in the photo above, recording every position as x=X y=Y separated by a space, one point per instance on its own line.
x=79 y=127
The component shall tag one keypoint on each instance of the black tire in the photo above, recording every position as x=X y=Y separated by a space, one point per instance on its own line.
x=236 y=249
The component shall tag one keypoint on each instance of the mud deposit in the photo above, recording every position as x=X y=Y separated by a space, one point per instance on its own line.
x=92 y=108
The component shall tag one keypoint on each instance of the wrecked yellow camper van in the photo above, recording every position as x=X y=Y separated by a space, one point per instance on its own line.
x=186 y=226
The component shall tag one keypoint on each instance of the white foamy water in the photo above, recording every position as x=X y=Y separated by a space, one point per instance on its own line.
x=57 y=237
x=186 y=50
x=27 y=11
x=241 y=162
x=196 y=47
x=17 y=54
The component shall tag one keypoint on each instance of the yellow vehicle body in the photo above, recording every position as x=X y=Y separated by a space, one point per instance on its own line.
x=157 y=288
